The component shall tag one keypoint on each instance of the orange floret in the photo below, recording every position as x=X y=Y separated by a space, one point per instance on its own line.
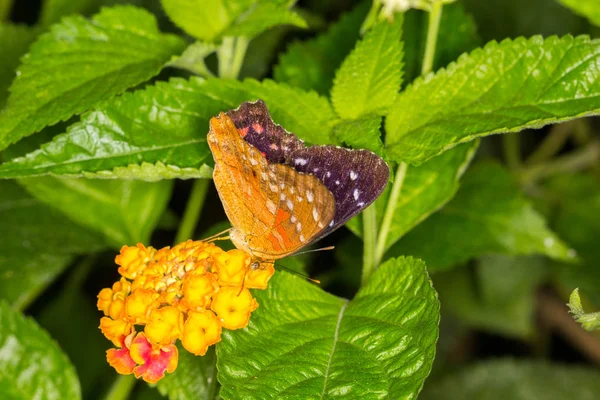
x=133 y=259
x=115 y=330
x=233 y=307
x=140 y=304
x=201 y=330
x=258 y=275
x=198 y=290
x=164 y=326
x=231 y=267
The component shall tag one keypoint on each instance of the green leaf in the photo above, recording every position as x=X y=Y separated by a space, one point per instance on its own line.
x=457 y=35
x=586 y=8
x=516 y=380
x=262 y=17
x=124 y=212
x=80 y=63
x=589 y=321
x=14 y=42
x=497 y=295
x=369 y=78
x=195 y=378
x=163 y=130
x=209 y=20
x=362 y=133
x=311 y=65
x=33 y=366
x=425 y=189
x=38 y=244
x=5 y=9
x=576 y=210
x=503 y=87
x=488 y=215
x=305 y=343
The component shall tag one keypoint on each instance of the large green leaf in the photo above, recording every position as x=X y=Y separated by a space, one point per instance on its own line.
x=576 y=220
x=163 y=129
x=497 y=295
x=311 y=64
x=488 y=215
x=211 y=19
x=425 y=189
x=81 y=62
x=124 y=212
x=33 y=366
x=38 y=243
x=369 y=78
x=457 y=34
x=14 y=42
x=587 y=8
x=305 y=343
x=503 y=87
x=195 y=378
x=517 y=380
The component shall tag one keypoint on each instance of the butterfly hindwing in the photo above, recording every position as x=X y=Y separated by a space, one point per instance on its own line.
x=274 y=209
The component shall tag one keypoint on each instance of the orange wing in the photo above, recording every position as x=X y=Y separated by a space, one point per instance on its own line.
x=274 y=209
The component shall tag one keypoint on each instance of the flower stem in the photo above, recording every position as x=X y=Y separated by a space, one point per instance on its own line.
x=388 y=216
x=121 y=388
x=512 y=150
x=369 y=218
x=551 y=144
x=231 y=55
x=192 y=210
x=435 y=15
x=575 y=161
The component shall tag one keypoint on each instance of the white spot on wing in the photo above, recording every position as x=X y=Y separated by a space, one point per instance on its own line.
x=299 y=227
x=302 y=239
x=353 y=175
x=253 y=161
x=300 y=161
x=293 y=219
x=356 y=193
x=328 y=174
x=282 y=197
x=290 y=204
x=362 y=203
x=271 y=206
x=337 y=182
x=273 y=188
x=315 y=214
x=331 y=223
x=309 y=196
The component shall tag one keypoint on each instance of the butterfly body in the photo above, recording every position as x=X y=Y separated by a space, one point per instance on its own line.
x=279 y=194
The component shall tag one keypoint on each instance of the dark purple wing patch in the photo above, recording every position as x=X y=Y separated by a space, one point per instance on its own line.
x=355 y=177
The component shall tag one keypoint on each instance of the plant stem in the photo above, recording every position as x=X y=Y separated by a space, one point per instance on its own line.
x=551 y=144
x=192 y=210
x=121 y=388
x=231 y=55
x=369 y=218
x=574 y=161
x=388 y=216
x=512 y=150
x=435 y=16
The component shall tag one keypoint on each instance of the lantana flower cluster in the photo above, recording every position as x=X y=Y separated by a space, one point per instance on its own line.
x=189 y=292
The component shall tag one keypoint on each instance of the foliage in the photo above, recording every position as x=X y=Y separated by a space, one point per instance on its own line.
x=104 y=110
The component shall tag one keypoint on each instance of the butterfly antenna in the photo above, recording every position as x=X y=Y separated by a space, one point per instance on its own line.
x=217 y=236
x=315 y=250
x=299 y=274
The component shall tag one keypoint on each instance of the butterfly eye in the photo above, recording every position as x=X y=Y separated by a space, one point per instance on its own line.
x=255 y=265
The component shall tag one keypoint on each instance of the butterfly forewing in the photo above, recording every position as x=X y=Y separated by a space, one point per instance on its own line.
x=274 y=209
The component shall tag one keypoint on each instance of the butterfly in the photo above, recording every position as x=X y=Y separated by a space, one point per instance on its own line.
x=279 y=194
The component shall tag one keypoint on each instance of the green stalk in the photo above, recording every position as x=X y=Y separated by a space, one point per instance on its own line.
x=121 y=388
x=192 y=210
x=512 y=150
x=231 y=55
x=552 y=143
x=388 y=217
x=435 y=15
x=369 y=218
